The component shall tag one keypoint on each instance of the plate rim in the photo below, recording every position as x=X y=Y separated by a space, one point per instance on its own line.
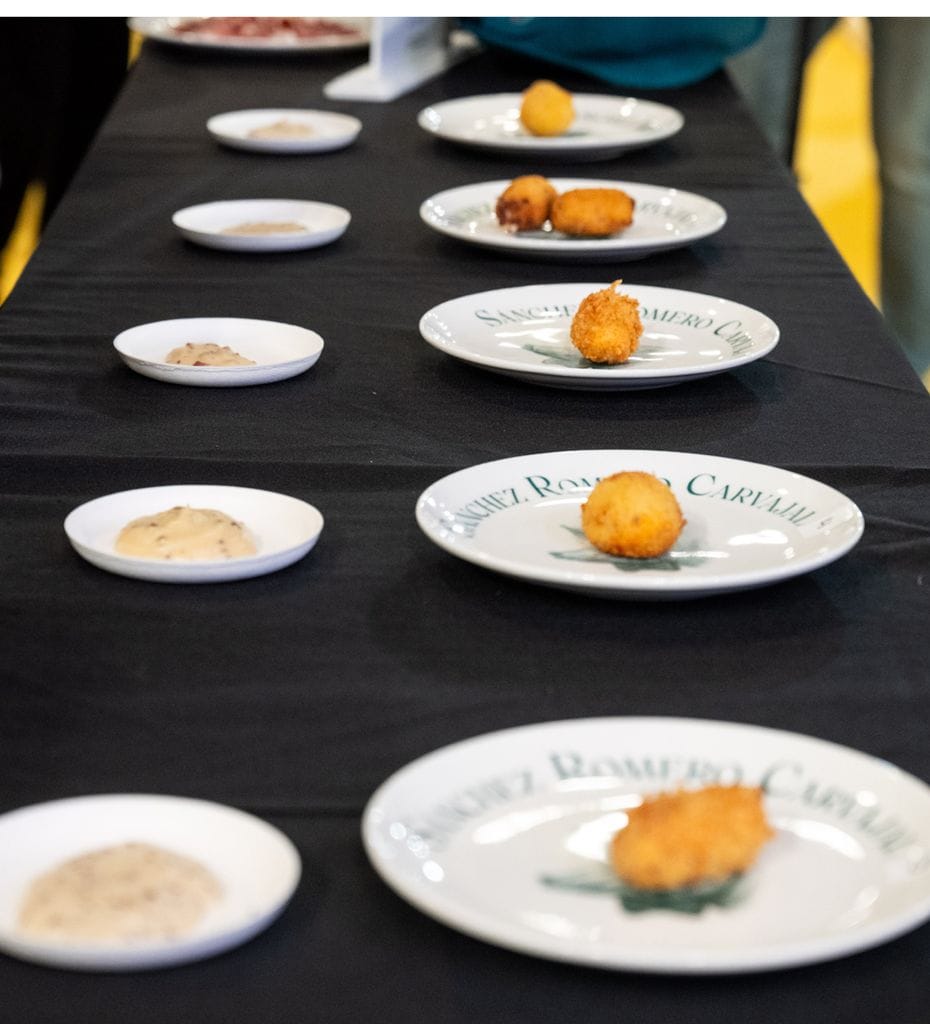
x=546 y=143
x=638 y=586
x=589 y=373
x=783 y=955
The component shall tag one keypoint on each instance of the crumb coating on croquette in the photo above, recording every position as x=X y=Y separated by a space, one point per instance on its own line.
x=547 y=108
x=691 y=836
x=632 y=515
x=592 y=212
x=525 y=204
x=607 y=326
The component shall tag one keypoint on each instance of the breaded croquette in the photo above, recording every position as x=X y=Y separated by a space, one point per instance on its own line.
x=592 y=212
x=546 y=108
x=607 y=328
x=524 y=205
x=691 y=836
x=633 y=515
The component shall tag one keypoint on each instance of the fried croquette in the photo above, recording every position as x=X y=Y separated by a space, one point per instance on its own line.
x=633 y=515
x=691 y=836
x=607 y=328
x=546 y=109
x=592 y=212
x=525 y=204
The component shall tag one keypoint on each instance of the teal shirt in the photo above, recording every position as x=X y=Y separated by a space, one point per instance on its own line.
x=645 y=53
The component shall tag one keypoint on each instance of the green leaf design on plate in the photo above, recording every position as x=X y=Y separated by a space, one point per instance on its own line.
x=553 y=357
x=664 y=563
x=690 y=899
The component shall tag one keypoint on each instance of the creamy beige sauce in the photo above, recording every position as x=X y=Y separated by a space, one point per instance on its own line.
x=206 y=353
x=283 y=129
x=185 y=534
x=124 y=893
x=265 y=227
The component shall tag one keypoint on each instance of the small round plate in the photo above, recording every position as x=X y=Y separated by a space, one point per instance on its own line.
x=604 y=126
x=505 y=837
x=211 y=33
x=257 y=866
x=664 y=218
x=278 y=350
x=328 y=130
x=524 y=332
x=747 y=524
x=284 y=529
x=207 y=224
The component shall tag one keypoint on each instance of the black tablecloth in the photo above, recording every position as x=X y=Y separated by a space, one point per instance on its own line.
x=294 y=695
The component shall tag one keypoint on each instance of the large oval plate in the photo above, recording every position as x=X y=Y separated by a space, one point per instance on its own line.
x=504 y=837
x=524 y=332
x=748 y=525
x=351 y=33
x=664 y=218
x=257 y=866
x=604 y=126
x=283 y=528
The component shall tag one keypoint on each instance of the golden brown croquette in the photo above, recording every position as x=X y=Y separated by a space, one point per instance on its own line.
x=633 y=515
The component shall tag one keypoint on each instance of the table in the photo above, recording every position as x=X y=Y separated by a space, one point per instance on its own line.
x=294 y=695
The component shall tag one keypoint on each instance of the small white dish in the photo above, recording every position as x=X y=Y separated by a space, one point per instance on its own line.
x=505 y=836
x=747 y=524
x=663 y=219
x=524 y=332
x=603 y=128
x=328 y=130
x=284 y=529
x=257 y=866
x=278 y=350
x=207 y=223
x=348 y=34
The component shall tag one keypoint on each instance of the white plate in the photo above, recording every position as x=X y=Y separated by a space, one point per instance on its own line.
x=278 y=350
x=284 y=529
x=257 y=866
x=329 y=130
x=664 y=218
x=604 y=126
x=504 y=837
x=205 y=224
x=165 y=30
x=524 y=332
x=748 y=525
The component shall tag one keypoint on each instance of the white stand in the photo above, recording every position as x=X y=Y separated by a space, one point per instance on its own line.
x=405 y=53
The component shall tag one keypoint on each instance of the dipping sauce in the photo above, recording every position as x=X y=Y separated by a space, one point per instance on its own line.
x=126 y=893
x=206 y=354
x=185 y=534
x=283 y=129
x=265 y=227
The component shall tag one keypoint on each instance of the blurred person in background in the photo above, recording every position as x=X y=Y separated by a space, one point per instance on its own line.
x=769 y=75
x=901 y=126
x=664 y=52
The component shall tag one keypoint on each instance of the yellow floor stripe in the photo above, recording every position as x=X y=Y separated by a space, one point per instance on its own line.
x=23 y=240
x=835 y=161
